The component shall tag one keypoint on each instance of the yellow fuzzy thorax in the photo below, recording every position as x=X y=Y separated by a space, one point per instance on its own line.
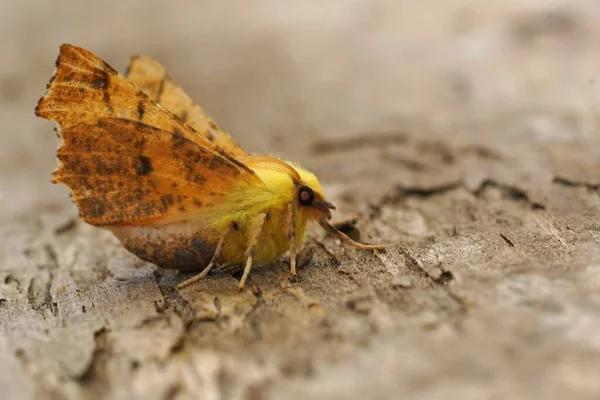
x=273 y=198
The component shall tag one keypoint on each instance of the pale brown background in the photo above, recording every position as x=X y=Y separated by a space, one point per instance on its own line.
x=463 y=134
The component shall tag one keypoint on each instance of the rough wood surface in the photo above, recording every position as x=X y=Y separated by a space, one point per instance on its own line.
x=462 y=134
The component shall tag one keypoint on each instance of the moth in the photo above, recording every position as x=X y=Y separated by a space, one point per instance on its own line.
x=146 y=163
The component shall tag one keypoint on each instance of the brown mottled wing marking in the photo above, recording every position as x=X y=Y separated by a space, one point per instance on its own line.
x=152 y=78
x=84 y=88
x=128 y=160
x=123 y=172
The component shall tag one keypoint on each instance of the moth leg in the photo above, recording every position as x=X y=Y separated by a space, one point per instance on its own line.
x=292 y=239
x=213 y=261
x=251 y=251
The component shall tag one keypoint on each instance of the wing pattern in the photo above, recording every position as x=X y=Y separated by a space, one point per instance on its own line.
x=126 y=158
x=153 y=79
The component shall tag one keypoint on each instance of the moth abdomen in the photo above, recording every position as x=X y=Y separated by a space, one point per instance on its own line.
x=174 y=247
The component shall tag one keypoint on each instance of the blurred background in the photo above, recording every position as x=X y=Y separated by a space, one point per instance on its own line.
x=463 y=132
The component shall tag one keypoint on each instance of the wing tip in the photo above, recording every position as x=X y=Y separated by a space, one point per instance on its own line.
x=71 y=57
x=39 y=108
x=63 y=50
x=132 y=60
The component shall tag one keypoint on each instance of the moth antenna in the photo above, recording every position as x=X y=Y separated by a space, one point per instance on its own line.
x=345 y=238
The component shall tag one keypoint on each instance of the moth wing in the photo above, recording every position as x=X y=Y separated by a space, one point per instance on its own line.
x=271 y=164
x=84 y=88
x=124 y=172
x=153 y=79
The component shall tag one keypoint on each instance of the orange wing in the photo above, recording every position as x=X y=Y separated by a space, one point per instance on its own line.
x=125 y=172
x=127 y=159
x=84 y=88
x=153 y=79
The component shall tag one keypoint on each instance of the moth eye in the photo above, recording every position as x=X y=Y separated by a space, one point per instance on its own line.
x=306 y=196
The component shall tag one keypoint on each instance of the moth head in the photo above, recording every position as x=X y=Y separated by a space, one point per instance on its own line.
x=310 y=198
